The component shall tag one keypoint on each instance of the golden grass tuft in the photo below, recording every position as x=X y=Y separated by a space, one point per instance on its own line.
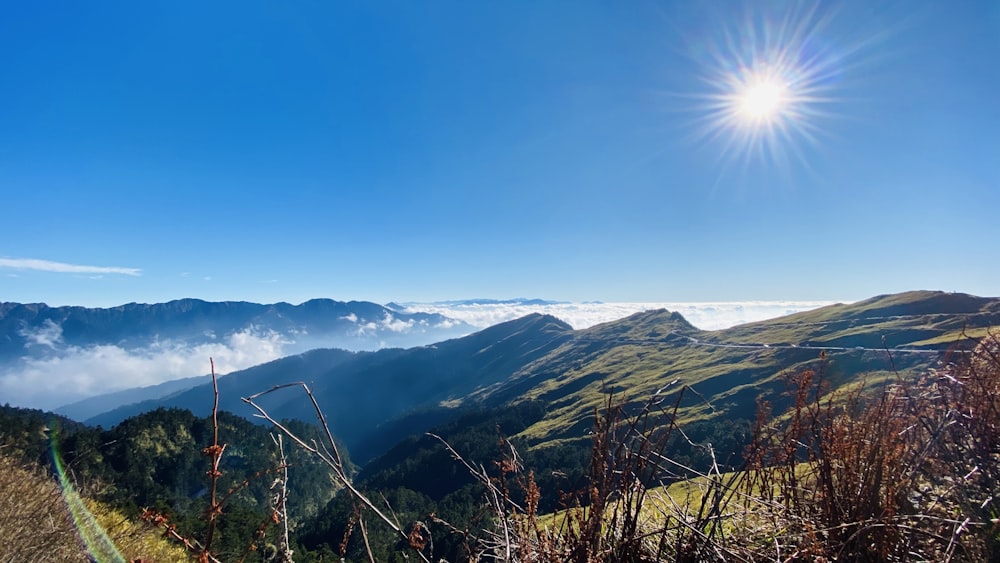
x=36 y=526
x=34 y=522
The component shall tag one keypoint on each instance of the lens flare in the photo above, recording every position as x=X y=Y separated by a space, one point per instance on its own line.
x=99 y=546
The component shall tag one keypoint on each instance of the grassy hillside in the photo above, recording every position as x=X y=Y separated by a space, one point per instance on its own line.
x=904 y=320
x=727 y=371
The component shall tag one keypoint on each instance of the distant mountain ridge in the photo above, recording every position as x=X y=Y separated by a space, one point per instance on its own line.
x=478 y=301
x=325 y=321
x=51 y=357
x=485 y=301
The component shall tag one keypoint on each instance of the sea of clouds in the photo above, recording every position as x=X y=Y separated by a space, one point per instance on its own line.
x=704 y=315
x=52 y=373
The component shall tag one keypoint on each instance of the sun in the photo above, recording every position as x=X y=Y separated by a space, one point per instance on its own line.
x=762 y=101
x=763 y=109
x=768 y=84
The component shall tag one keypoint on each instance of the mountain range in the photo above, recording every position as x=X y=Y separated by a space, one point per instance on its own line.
x=52 y=357
x=316 y=323
x=373 y=399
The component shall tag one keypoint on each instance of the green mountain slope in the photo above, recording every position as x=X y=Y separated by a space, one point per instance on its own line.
x=903 y=319
x=728 y=370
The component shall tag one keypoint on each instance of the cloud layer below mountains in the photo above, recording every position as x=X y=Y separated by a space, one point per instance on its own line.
x=52 y=373
x=60 y=374
x=706 y=316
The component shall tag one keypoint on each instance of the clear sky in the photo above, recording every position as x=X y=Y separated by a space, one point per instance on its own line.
x=429 y=150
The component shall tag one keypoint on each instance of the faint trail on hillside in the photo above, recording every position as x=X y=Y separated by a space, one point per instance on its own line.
x=858 y=321
x=692 y=341
x=686 y=339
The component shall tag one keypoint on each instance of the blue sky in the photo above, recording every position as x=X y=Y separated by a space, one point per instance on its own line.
x=419 y=151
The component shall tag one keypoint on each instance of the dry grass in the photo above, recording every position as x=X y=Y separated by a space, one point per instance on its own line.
x=34 y=522
x=912 y=473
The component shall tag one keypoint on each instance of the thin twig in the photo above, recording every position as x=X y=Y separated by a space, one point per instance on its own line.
x=215 y=451
x=334 y=461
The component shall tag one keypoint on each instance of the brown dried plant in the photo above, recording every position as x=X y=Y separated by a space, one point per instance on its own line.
x=201 y=551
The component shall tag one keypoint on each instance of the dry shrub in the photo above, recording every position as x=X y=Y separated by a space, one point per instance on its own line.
x=959 y=416
x=204 y=551
x=34 y=522
x=830 y=480
x=911 y=473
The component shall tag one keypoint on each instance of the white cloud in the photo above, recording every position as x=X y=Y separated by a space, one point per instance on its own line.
x=63 y=268
x=706 y=316
x=74 y=372
x=390 y=322
x=447 y=324
x=49 y=335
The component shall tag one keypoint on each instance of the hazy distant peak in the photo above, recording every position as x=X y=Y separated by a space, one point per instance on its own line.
x=485 y=301
x=921 y=302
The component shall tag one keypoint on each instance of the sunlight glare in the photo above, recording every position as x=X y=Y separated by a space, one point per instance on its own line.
x=770 y=80
x=763 y=100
